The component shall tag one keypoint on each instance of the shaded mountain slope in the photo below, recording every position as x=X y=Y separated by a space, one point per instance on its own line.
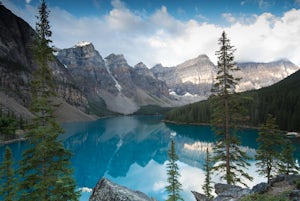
x=17 y=66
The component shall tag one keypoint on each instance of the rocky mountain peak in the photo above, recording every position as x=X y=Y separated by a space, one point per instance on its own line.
x=142 y=69
x=116 y=60
x=284 y=62
x=140 y=65
x=83 y=52
x=203 y=57
x=200 y=60
x=157 y=66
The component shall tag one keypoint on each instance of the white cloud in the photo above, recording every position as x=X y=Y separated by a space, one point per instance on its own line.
x=268 y=38
x=243 y=3
x=229 y=17
x=161 y=38
x=28 y=1
x=263 y=4
x=118 y=4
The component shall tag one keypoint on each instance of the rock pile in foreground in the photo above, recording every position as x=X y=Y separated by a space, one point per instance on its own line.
x=106 y=190
x=278 y=185
x=289 y=185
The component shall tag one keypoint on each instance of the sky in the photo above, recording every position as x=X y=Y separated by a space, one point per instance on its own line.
x=170 y=32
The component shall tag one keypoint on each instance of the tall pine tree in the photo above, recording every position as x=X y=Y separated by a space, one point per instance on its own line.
x=45 y=166
x=207 y=188
x=8 y=190
x=231 y=161
x=174 y=186
x=287 y=162
x=269 y=146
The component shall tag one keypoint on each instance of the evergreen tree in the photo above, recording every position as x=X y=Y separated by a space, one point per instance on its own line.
x=269 y=145
x=174 y=186
x=207 y=188
x=7 y=177
x=45 y=166
x=287 y=163
x=230 y=160
x=8 y=127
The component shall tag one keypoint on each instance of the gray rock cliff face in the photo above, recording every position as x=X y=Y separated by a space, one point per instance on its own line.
x=17 y=65
x=143 y=70
x=258 y=75
x=106 y=190
x=88 y=69
x=194 y=76
x=121 y=71
x=145 y=79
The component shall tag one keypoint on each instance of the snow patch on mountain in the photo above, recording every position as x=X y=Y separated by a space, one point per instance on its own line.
x=82 y=44
x=186 y=98
x=117 y=85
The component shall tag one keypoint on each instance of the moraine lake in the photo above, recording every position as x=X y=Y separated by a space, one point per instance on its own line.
x=132 y=151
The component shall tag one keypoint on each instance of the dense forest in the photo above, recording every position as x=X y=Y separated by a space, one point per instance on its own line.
x=282 y=100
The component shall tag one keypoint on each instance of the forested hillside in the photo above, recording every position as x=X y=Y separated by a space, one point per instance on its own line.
x=282 y=100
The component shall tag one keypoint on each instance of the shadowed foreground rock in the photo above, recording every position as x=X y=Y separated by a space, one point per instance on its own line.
x=106 y=190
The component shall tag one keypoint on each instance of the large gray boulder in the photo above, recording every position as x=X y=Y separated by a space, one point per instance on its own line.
x=106 y=190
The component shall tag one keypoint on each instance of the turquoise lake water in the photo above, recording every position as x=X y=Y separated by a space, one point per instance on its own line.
x=132 y=151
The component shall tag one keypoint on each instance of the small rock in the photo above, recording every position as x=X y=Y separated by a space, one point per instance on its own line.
x=292 y=179
x=277 y=179
x=294 y=195
x=260 y=188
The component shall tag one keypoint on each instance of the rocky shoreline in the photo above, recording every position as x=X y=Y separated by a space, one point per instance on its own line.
x=5 y=142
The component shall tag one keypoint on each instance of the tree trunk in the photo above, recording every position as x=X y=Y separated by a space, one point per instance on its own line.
x=227 y=142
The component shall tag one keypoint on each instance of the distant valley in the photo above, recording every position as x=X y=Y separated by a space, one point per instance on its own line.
x=90 y=85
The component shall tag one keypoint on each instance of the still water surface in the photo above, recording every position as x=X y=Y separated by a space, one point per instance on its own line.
x=132 y=151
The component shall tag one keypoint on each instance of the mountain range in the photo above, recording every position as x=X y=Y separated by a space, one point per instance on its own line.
x=89 y=84
x=122 y=88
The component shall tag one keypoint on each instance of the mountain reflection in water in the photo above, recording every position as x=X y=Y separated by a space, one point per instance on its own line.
x=132 y=151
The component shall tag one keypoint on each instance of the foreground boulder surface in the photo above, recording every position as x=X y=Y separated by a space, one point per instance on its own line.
x=106 y=190
x=230 y=192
